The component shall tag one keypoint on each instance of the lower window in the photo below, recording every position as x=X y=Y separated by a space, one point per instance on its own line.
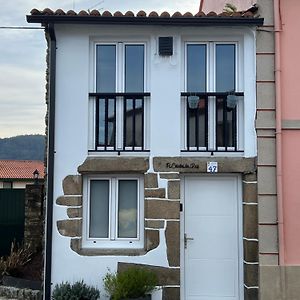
x=113 y=212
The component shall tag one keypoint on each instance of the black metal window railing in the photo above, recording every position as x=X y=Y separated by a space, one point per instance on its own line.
x=119 y=121
x=211 y=121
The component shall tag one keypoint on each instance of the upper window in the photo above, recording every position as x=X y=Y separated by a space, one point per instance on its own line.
x=120 y=102
x=113 y=212
x=212 y=104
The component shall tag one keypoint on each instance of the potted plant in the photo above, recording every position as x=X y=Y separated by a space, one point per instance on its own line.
x=133 y=283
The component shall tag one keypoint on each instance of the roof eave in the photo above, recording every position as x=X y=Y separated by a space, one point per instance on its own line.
x=173 y=21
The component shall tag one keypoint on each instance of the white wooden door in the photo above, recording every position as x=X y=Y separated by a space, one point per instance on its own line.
x=212 y=264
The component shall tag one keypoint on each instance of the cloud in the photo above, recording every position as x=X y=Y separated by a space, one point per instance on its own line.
x=22 y=104
x=22 y=56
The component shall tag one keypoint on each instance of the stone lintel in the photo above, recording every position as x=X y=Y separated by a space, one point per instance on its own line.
x=100 y=165
x=199 y=164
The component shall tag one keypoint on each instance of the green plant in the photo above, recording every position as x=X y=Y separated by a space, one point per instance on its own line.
x=13 y=263
x=133 y=283
x=230 y=8
x=77 y=291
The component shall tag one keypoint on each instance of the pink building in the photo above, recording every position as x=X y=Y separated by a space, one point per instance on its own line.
x=278 y=138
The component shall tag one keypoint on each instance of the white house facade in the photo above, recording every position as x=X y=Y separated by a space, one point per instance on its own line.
x=152 y=149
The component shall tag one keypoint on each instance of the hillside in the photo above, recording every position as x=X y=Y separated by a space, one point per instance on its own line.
x=23 y=147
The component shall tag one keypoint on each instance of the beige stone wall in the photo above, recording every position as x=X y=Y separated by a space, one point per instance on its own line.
x=266 y=139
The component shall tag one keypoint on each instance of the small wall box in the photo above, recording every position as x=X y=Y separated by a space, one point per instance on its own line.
x=165 y=45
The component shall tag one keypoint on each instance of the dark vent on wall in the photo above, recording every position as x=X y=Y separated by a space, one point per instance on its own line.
x=165 y=45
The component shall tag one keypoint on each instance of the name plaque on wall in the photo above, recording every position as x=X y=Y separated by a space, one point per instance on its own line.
x=173 y=165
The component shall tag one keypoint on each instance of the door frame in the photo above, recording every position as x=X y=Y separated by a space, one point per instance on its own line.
x=238 y=177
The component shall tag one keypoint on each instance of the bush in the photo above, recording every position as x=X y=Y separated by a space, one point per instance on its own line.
x=18 y=258
x=77 y=291
x=132 y=283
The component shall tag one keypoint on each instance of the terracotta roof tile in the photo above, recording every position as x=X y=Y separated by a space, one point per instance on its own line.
x=20 y=169
x=165 y=14
x=153 y=14
x=177 y=14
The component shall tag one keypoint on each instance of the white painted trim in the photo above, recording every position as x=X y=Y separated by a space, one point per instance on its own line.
x=120 y=47
x=113 y=242
x=211 y=87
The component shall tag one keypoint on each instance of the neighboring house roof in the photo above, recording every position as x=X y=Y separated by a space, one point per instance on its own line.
x=141 y=18
x=20 y=169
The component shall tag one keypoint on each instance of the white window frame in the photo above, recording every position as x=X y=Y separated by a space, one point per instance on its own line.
x=120 y=87
x=113 y=242
x=211 y=87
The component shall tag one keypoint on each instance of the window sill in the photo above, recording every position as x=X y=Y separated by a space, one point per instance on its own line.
x=145 y=153
x=212 y=153
x=76 y=245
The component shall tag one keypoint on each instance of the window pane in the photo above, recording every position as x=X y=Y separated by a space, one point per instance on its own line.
x=134 y=68
x=196 y=125
x=106 y=68
x=133 y=126
x=225 y=68
x=138 y=122
x=99 y=208
x=107 y=122
x=101 y=137
x=196 y=68
x=225 y=125
x=111 y=123
x=127 y=210
x=220 y=123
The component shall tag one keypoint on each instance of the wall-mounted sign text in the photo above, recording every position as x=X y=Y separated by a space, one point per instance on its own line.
x=212 y=167
x=182 y=166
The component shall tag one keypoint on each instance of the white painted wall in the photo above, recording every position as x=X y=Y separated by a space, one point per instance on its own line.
x=165 y=82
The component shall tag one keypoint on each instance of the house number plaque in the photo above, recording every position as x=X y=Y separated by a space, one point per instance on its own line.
x=212 y=167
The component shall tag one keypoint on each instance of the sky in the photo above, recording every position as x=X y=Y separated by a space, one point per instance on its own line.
x=23 y=52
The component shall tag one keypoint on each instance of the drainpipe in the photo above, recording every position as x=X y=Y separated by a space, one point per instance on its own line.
x=50 y=163
x=201 y=5
x=280 y=204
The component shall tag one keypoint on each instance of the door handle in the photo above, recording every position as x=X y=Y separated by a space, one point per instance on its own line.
x=186 y=239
